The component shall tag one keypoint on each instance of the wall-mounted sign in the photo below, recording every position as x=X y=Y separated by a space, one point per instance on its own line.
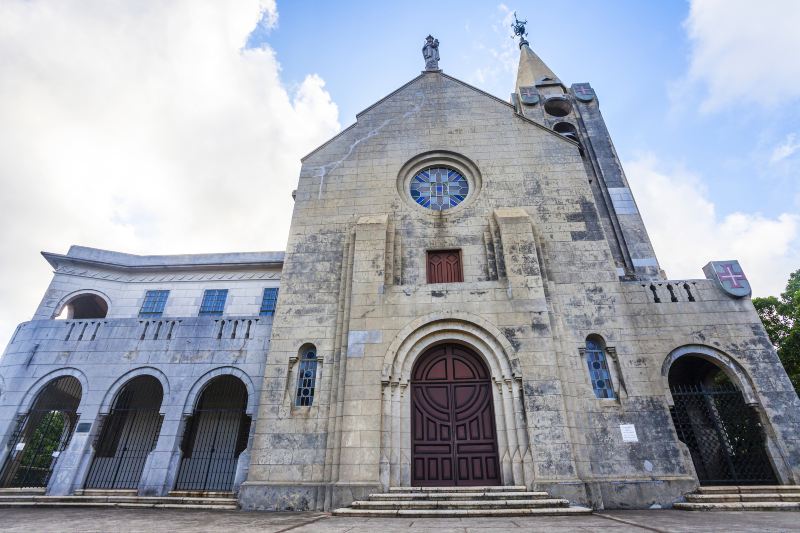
x=628 y=433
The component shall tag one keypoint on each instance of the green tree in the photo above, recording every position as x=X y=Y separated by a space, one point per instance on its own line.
x=781 y=318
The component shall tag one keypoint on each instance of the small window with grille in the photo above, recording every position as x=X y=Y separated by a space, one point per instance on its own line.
x=154 y=303
x=444 y=266
x=599 y=373
x=307 y=377
x=213 y=302
x=268 y=301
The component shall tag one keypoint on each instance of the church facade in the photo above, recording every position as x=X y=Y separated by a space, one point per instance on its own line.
x=468 y=297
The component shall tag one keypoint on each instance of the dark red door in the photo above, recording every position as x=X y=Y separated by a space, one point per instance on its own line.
x=453 y=440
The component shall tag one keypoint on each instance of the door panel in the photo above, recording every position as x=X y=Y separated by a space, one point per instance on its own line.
x=452 y=417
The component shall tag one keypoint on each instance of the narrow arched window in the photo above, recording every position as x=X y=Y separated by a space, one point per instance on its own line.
x=306 y=378
x=599 y=373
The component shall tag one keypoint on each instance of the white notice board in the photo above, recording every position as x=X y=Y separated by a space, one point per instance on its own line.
x=628 y=433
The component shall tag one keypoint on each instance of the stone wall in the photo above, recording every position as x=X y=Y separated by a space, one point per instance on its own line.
x=539 y=277
x=183 y=351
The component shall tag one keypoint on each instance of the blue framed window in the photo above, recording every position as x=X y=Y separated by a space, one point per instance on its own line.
x=154 y=303
x=307 y=378
x=598 y=369
x=213 y=302
x=268 y=301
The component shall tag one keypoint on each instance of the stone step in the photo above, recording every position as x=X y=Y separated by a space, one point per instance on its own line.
x=509 y=488
x=32 y=491
x=742 y=489
x=32 y=503
x=200 y=494
x=461 y=504
x=461 y=513
x=106 y=492
x=136 y=501
x=739 y=506
x=747 y=497
x=495 y=495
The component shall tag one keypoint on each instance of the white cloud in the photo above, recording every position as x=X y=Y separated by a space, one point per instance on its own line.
x=687 y=231
x=786 y=149
x=146 y=128
x=743 y=52
x=500 y=67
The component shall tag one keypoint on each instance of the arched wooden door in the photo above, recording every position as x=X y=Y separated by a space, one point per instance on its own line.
x=453 y=434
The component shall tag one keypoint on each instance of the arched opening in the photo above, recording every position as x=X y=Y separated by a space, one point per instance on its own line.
x=127 y=435
x=42 y=434
x=557 y=106
x=724 y=435
x=214 y=437
x=453 y=434
x=567 y=130
x=84 y=306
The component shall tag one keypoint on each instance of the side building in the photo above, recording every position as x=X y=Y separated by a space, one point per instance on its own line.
x=138 y=372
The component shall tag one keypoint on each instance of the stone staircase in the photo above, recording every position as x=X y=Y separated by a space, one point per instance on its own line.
x=455 y=502
x=222 y=501
x=743 y=498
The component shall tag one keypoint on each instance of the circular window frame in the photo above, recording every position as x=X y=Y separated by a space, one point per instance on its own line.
x=439 y=158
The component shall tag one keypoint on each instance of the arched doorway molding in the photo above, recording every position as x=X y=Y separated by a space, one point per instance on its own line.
x=33 y=392
x=732 y=368
x=199 y=386
x=426 y=331
x=66 y=300
x=116 y=387
x=489 y=343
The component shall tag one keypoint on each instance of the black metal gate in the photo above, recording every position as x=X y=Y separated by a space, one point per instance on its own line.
x=42 y=435
x=214 y=437
x=724 y=435
x=128 y=435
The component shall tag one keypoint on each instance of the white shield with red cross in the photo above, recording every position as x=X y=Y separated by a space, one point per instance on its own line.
x=729 y=276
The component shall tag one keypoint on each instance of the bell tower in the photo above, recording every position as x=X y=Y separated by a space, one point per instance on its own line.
x=574 y=112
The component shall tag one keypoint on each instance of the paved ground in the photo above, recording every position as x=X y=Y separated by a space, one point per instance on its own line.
x=30 y=520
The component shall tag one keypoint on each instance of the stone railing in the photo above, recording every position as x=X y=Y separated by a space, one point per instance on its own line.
x=133 y=333
x=671 y=291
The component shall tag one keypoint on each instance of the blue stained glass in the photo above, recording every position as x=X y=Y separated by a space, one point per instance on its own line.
x=439 y=188
x=598 y=370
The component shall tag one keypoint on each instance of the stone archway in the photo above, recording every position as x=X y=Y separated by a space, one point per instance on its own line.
x=128 y=435
x=453 y=433
x=712 y=417
x=214 y=437
x=481 y=337
x=42 y=434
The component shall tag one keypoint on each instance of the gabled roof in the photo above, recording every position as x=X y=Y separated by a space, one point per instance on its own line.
x=414 y=80
x=107 y=259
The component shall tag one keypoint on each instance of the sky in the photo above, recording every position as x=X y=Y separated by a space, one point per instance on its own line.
x=177 y=127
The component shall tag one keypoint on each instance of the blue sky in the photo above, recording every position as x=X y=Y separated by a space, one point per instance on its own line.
x=632 y=52
x=178 y=127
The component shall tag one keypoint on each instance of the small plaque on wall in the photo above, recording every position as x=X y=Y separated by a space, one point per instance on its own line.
x=628 y=433
x=83 y=427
